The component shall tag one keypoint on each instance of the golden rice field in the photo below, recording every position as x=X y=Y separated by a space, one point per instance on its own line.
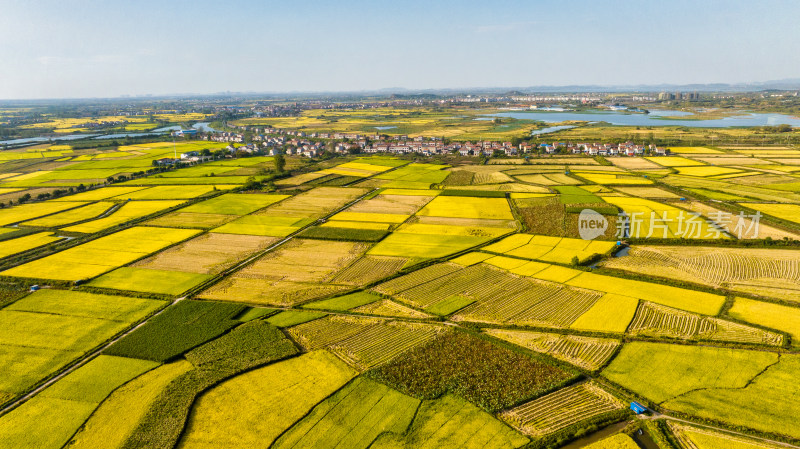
x=357 y=279
x=101 y=255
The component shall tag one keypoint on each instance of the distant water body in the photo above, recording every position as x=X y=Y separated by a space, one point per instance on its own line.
x=202 y=126
x=628 y=119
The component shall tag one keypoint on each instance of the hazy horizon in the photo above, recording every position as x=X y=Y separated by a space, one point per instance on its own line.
x=93 y=49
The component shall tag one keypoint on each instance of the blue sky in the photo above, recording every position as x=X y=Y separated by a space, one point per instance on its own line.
x=80 y=48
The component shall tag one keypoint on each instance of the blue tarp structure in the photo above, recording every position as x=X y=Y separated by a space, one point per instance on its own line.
x=638 y=408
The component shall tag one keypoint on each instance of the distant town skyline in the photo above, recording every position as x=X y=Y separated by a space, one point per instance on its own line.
x=90 y=48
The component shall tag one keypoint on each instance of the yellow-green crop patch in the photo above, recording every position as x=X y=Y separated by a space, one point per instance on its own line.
x=149 y=280
x=708 y=170
x=25 y=243
x=234 y=204
x=42 y=332
x=82 y=213
x=611 y=313
x=29 y=211
x=100 y=194
x=72 y=399
x=266 y=225
x=117 y=417
x=101 y=255
x=127 y=212
x=673 y=161
x=468 y=207
x=694 y=150
x=789 y=212
x=775 y=316
x=549 y=249
x=673 y=370
x=167 y=192
x=614 y=178
x=679 y=298
x=254 y=408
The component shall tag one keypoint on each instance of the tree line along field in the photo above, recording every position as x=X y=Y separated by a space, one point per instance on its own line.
x=415 y=305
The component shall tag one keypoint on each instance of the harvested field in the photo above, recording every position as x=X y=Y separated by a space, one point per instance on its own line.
x=391 y=204
x=294 y=273
x=733 y=226
x=180 y=219
x=634 y=163
x=647 y=192
x=656 y=320
x=767 y=272
x=586 y=352
x=561 y=409
x=496 y=296
x=208 y=254
x=389 y=308
x=364 y=342
x=369 y=269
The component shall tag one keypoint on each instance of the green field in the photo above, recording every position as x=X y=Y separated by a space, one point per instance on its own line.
x=663 y=372
x=783 y=318
x=178 y=329
x=254 y=408
x=353 y=417
x=117 y=417
x=762 y=404
x=150 y=281
x=58 y=326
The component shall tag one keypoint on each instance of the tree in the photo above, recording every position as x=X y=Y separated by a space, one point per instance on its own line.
x=575 y=262
x=280 y=163
x=252 y=184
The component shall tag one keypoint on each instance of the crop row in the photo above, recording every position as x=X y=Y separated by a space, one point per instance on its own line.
x=586 y=352
x=381 y=343
x=561 y=409
x=362 y=342
x=530 y=301
x=660 y=320
x=369 y=269
x=477 y=281
x=416 y=278
x=713 y=265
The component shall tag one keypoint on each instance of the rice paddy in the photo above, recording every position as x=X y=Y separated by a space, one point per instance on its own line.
x=408 y=309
